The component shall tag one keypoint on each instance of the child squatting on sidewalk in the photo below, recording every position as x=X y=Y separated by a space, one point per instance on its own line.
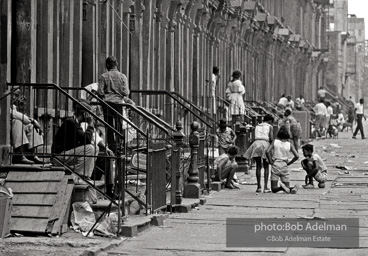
x=315 y=168
x=226 y=167
x=281 y=147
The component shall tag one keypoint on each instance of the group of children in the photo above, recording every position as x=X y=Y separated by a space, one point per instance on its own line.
x=266 y=151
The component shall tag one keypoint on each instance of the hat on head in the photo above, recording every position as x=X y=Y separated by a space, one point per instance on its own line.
x=222 y=123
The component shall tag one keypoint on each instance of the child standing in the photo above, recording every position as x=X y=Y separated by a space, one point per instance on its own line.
x=281 y=147
x=315 y=168
x=226 y=167
x=257 y=151
x=226 y=137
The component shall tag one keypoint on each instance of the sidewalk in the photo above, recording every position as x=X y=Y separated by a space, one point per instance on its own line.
x=202 y=231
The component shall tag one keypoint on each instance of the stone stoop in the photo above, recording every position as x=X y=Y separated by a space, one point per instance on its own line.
x=135 y=224
x=187 y=205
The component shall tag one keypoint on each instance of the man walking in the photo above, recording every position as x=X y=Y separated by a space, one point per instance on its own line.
x=359 y=111
x=113 y=88
x=321 y=111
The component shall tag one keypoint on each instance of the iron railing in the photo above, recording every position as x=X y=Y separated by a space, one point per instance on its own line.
x=173 y=107
x=50 y=105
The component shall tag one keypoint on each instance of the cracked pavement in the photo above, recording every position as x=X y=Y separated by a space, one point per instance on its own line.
x=202 y=231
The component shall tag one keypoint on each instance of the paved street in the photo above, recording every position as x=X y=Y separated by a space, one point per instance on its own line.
x=202 y=231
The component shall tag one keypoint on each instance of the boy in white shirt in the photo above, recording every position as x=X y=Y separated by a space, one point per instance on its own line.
x=315 y=168
x=359 y=111
x=321 y=112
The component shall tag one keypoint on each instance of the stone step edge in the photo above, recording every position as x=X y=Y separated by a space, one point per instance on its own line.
x=185 y=207
x=142 y=223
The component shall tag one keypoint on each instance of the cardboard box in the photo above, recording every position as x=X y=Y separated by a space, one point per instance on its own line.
x=5 y=213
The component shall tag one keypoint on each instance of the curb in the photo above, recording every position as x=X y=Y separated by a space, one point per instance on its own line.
x=95 y=250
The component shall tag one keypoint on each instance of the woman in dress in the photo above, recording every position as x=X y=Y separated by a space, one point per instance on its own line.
x=235 y=91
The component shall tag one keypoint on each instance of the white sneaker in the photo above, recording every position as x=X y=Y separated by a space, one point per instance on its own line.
x=294 y=189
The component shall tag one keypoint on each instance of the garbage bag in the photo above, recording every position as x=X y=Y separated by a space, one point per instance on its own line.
x=136 y=206
x=83 y=217
x=4 y=191
x=108 y=226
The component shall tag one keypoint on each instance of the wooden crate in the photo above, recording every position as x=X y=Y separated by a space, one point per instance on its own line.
x=5 y=211
x=41 y=202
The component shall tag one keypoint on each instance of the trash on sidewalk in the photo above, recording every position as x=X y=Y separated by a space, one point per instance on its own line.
x=366 y=162
x=296 y=169
x=82 y=218
x=347 y=172
x=135 y=206
x=351 y=156
x=108 y=226
x=248 y=183
x=333 y=145
x=344 y=167
x=310 y=217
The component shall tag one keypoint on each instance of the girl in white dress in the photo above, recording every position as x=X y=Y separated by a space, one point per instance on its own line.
x=235 y=91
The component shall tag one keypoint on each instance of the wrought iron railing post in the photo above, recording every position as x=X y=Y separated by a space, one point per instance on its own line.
x=193 y=188
x=176 y=172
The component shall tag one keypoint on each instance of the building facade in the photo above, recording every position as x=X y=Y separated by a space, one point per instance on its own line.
x=167 y=45
x=356 y=56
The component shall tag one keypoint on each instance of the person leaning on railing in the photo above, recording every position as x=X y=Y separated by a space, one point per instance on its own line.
x=113 y=88
x=73 y=146
x=26 y=133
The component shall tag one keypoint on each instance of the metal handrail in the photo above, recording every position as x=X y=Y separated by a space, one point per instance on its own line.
x=194 y=106
x=52 y=85
x=8 y=93
x=117 y=112
x=60 y=89
x=259 y=106
x=153 y=116
x=173 y=97
x=224 y=100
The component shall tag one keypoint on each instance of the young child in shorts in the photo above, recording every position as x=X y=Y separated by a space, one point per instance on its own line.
x=279 y=160
x=315 y=168
x=226 y=167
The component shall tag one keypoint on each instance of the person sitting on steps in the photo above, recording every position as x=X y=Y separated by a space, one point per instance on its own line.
x=26 y=133
x=226 y=167
x=72 y=146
